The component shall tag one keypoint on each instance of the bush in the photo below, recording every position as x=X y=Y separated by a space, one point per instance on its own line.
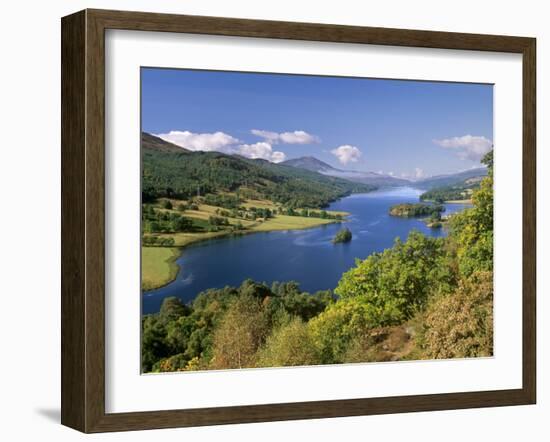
x=166 y=204
x=339 y=325
x=397 y=282
x=460 y=324
x=291 y=344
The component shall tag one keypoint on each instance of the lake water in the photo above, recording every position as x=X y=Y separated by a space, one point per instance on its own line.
x=306 y=256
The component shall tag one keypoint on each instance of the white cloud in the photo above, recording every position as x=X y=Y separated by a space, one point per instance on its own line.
x=222 y=142
x=272 y=137
x=418 y=173
x=261 y=150
x=278 y=157
x=217 y=141
x=296 y=137
x=347 y=154
x=467 y=147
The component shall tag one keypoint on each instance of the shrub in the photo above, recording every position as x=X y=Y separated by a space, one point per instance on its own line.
x=460 y=324
x=289 y=345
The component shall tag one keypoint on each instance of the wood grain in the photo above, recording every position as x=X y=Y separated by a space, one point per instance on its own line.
x=83 y=219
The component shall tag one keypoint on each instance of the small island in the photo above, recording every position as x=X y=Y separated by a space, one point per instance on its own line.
x=342 y=236
x=410 y=210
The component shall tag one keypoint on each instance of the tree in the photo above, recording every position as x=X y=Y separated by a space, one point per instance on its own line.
x=153 y=347
x=171 y=309
x=289 y=345
x=472 y=230
x=239 y=335
x=340 y=325
x=397 y=282
x=181 y=224
x=166 y=204
x=342 y=236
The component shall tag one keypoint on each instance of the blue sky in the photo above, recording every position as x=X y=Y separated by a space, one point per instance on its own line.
x=411 y=129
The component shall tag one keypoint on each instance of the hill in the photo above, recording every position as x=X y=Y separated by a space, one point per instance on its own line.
x=461 y=178
x=173 y=172
x=370 y=178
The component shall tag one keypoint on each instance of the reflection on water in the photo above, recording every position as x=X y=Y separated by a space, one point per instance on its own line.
x=306 y=256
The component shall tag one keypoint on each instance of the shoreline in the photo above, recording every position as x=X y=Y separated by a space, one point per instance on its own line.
x=202 y=237
x=458 y=202
x=468 y=201
x=169 y=263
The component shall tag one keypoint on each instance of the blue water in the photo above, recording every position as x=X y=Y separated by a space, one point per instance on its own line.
x=306 y=256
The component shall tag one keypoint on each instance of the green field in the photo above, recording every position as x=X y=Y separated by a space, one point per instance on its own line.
x=158 y=263
x=158 y=266
x=284 y=222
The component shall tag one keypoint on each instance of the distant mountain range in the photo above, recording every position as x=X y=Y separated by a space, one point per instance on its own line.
x=381 y=180
x=452 y=179
x=218 y=171
x=372 y=178
x=174 y=172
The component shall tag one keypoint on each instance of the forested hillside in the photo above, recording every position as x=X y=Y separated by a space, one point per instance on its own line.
x=423 y=298
x=456 y=192
x=451 y=179
x=172 y=172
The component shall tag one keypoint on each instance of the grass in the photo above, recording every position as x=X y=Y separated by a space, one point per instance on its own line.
x=184 y=239
x=158 y=263
x=284 y=222
x=158 y=266
x=466 y=201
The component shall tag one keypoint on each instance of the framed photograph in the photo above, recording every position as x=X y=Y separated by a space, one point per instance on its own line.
x=267 y=220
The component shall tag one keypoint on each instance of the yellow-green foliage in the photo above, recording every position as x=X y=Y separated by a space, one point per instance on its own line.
x=340 y=324
x=472 y=230
x=290 y=344
x=239 y=335
x=460 y=324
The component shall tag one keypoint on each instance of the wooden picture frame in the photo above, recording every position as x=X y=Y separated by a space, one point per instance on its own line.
x=83 y=220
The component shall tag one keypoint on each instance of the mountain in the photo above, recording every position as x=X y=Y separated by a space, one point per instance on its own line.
x=310 y=163
x=461 y=178
x=151 y=142
x=171 y=171
x=370 y=178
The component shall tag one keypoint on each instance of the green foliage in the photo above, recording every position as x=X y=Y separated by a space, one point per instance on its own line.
x=163 y=221
x=397 y=282
x=290 y=345
x=340 y=324
x=171 y=309
x=148 y=240
x=450 y=193
x=472 y=230
x=225 y=201
x=166 y=204
x=224 y=327
x=342 y=236
x=416 y=209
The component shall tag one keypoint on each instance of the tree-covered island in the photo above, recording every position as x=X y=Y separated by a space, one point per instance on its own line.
x=410 y=210
x=342 y=236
